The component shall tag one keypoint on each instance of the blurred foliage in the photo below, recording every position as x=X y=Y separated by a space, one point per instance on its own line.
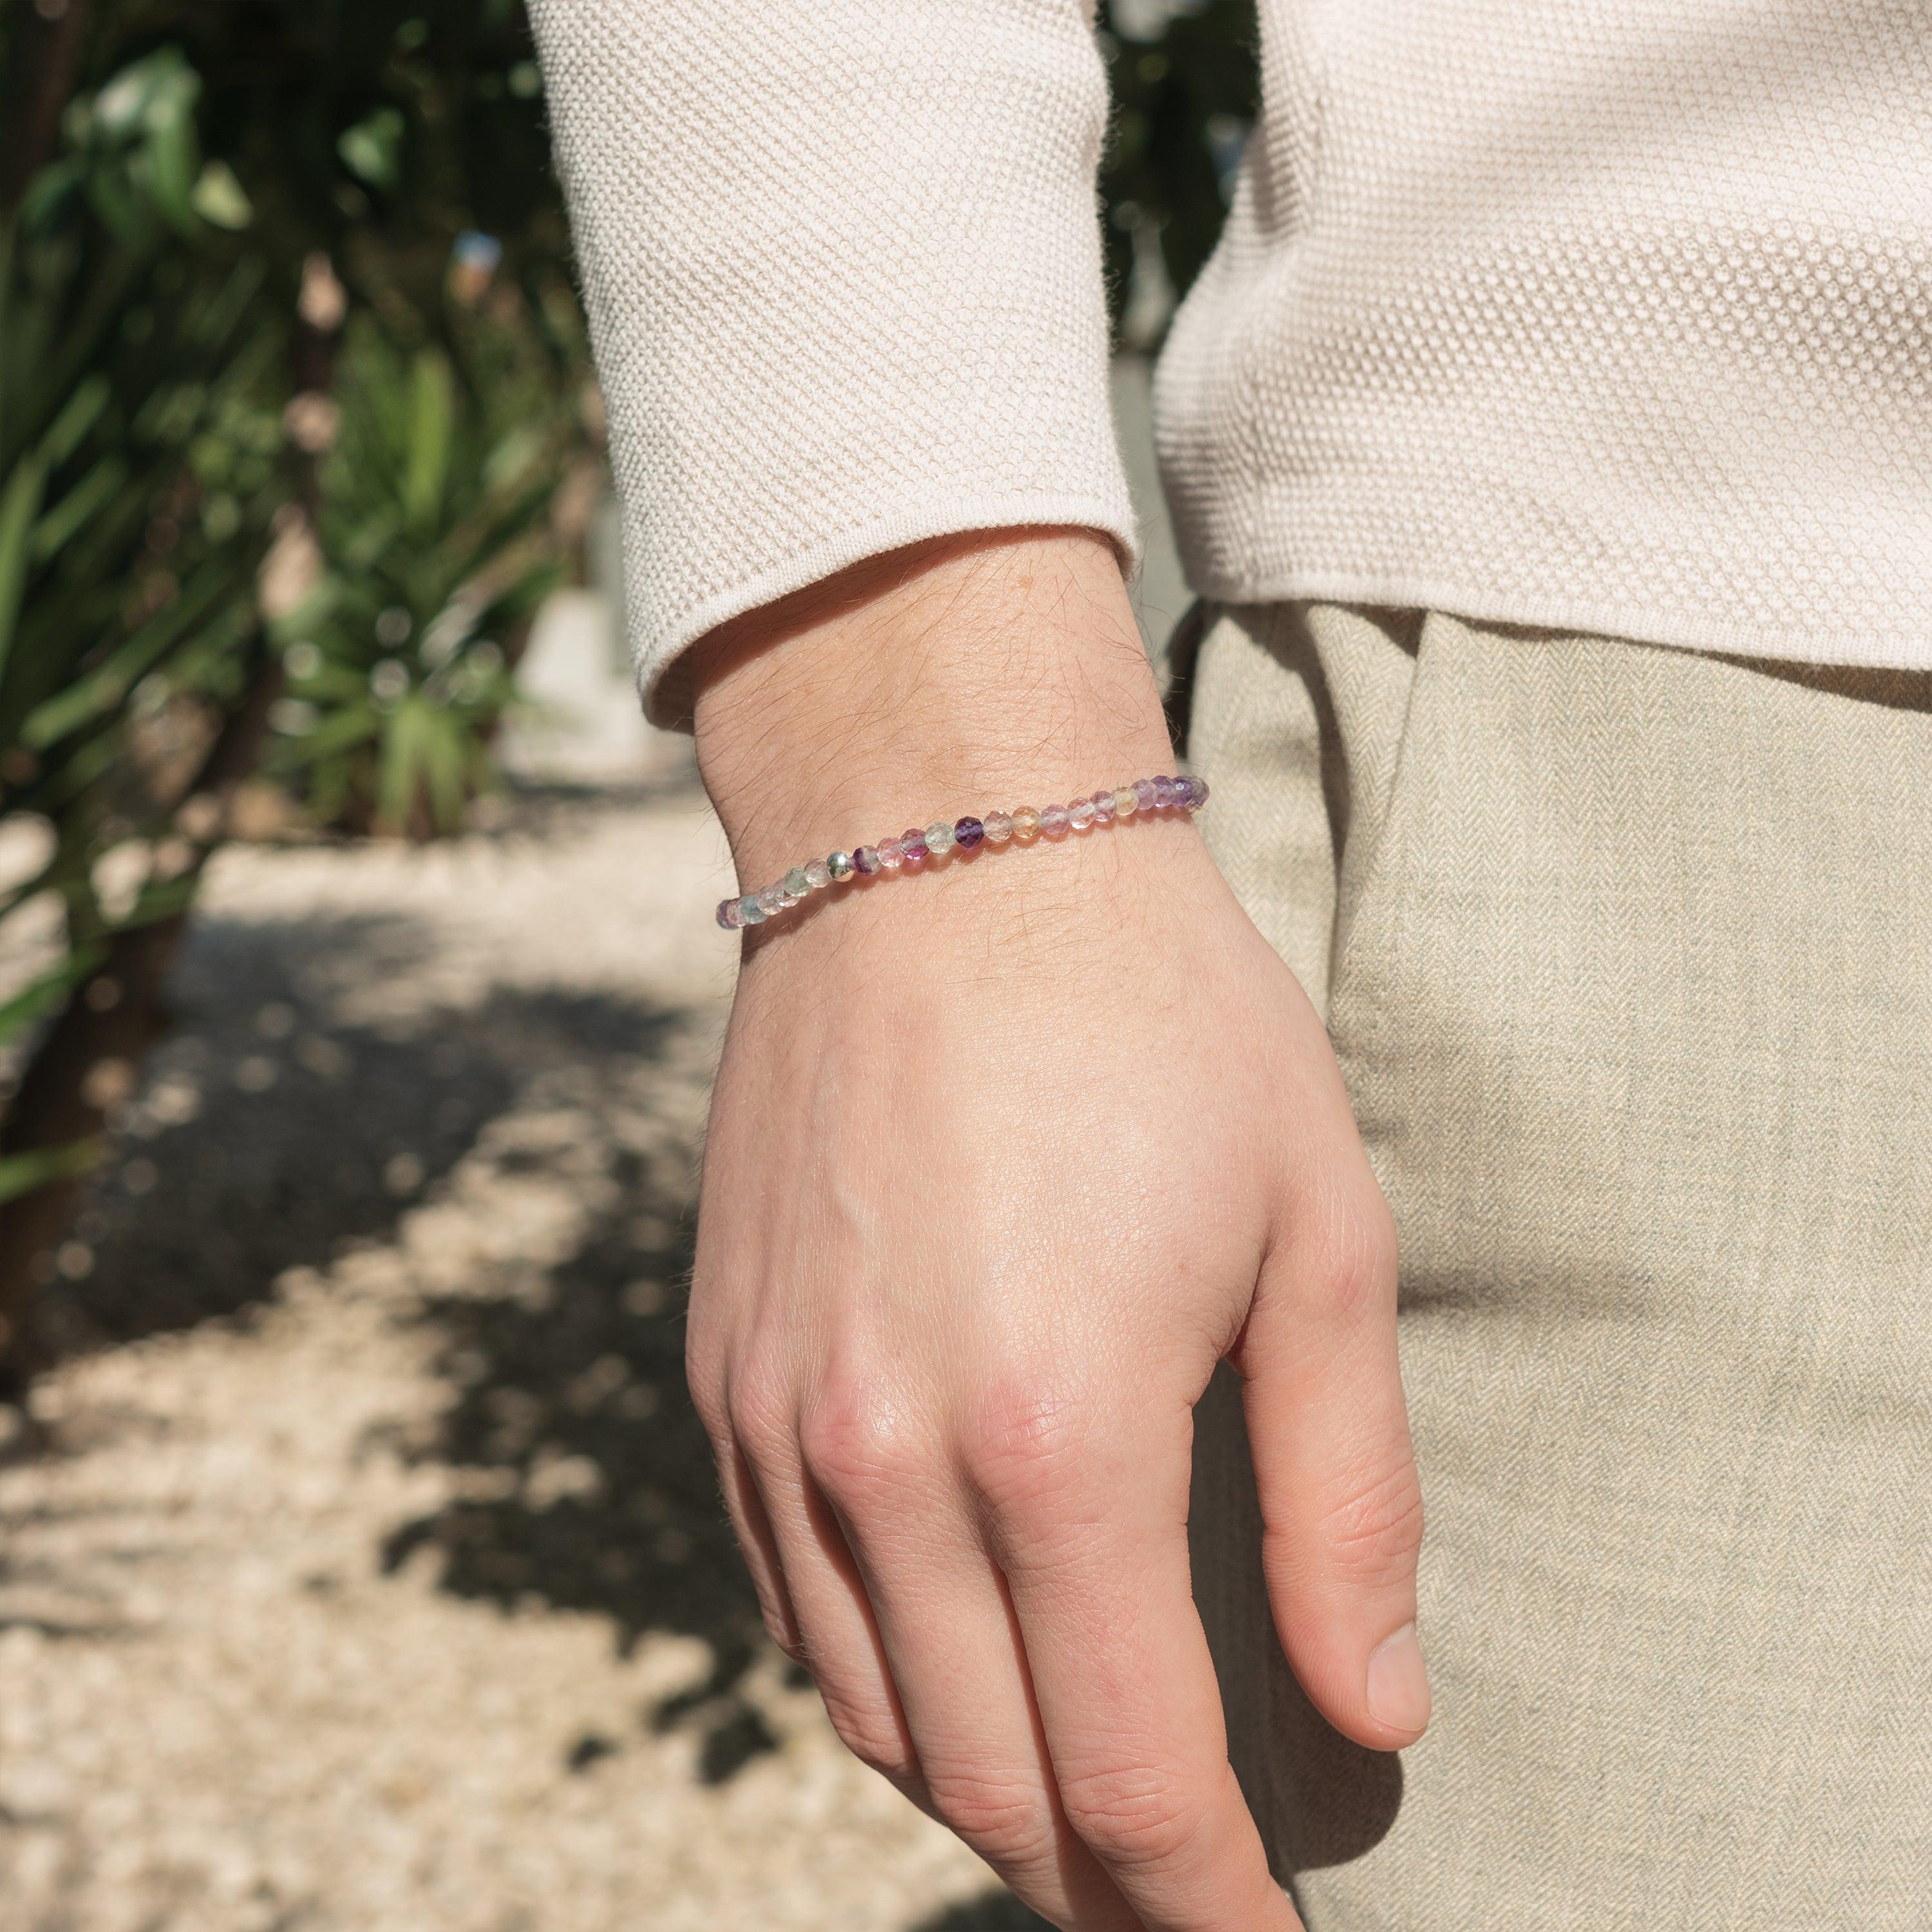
x=289 y=362
x=435 y=507
x=134 y=472
x=1185 y=80
x=374 y=131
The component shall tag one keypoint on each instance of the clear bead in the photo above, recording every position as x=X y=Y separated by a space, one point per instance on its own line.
x=999 y=827
x=818 y=875
x=1080 y=813
x=940 y=838
x=1053 y=821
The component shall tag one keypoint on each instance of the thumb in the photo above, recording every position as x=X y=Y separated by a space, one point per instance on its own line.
x=1341 y=1508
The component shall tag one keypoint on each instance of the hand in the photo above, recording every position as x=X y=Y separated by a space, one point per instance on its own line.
x=1002 y=1162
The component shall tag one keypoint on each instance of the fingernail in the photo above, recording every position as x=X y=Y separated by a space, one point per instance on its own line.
x=1398 y=1682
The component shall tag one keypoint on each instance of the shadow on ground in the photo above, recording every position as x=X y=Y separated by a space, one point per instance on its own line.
x=270 y=1134
x=997 y=1912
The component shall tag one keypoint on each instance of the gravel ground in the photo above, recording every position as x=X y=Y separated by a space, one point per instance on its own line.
x=373 y=1578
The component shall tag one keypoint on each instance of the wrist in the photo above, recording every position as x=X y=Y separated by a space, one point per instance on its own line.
x=992 y=669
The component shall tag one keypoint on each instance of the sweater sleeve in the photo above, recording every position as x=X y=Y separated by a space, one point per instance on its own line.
x=843 y=274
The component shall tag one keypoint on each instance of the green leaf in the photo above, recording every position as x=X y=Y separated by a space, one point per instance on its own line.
x=403 y=750
x=19 y=507
x=96 y=489
x=372 y=150
x=219 y=198
x=22 y=1173
x=432 y=421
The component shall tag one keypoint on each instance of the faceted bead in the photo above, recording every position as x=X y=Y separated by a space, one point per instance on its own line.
x=797 y=883
x=890 y=856
x=751 y=912
x=999 y=827
x=968 y=832
x=1080 y=813
x=865 y=861
x=1183 y=790
x=1163 y=793
x=774 y=898
x=1144 y=792
x=1026 y=824
x=1053 y=821
x=839 y=865
x=1127 y=802
x=939 y=838
x=913 y=846
x=730 y=914
x=1200 y=793
x=1103 y=808
x=818 y=875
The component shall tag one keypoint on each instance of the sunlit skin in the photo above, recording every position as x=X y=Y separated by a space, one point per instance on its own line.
x=1003 y=1159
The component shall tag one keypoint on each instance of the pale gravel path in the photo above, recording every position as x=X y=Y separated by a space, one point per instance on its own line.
x=375 y=1582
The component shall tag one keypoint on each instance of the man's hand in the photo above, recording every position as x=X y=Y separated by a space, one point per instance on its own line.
x=1002 y=1162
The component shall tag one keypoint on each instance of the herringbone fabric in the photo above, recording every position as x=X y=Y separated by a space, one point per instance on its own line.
x=1625 y=953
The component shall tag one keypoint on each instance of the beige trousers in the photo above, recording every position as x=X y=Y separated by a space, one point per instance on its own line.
x=1627 y=954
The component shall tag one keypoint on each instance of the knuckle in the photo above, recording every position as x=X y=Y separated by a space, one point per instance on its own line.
x=1375 y=1527
x=1021 y=1443
x=859 y=1446
x=868 y=1733
x=1353 y=1269
x=1132 y=1816
x=761 y=1408
x=1007 y=1821
x=778 y=1628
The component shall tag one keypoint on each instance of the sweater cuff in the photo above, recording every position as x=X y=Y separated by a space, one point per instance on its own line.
x=842 y=267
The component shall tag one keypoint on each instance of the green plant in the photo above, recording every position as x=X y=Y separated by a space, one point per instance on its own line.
x=434 y=519
x=136 y=465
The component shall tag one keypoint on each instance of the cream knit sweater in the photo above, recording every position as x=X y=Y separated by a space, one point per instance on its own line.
x=1611 y=315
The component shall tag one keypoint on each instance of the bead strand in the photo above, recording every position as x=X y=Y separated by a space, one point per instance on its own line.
x=911 y=849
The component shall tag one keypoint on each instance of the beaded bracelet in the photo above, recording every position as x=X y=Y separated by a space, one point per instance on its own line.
x=911 y=849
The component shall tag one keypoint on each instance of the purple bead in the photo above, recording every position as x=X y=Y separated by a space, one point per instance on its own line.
x=865 y=859
x=730 y=914
x=1053 y=821
x=1200 y=792
x=1103 y=808
x=1163 y=793
x=1183 y=792
x=912 y=846
x=1144 y=791
x=968 y=832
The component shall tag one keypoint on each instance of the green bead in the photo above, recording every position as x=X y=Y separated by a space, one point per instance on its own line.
x=796 y=883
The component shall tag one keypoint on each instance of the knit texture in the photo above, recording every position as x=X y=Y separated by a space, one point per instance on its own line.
x=843 y=275
x=1604 y=315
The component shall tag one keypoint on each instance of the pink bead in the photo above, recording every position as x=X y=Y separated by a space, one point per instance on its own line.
x=912 y=844
x=1103 y=808
x=890 y=856
x=1144 y=791
x=1053 y=821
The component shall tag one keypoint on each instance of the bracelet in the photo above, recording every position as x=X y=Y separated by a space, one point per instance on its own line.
x=911 y=849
